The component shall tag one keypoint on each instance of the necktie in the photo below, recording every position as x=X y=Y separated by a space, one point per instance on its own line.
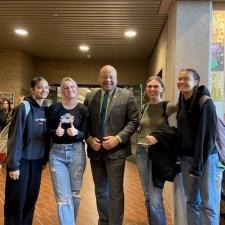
x=103 y=112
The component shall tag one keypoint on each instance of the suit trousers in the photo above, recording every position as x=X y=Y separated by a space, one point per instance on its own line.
x=108 y=176
x=21 y=195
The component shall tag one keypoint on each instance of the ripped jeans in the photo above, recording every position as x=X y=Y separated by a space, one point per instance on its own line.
x=67 y=165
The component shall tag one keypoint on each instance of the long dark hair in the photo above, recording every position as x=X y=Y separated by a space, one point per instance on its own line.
x=196 y=77
x=35 y=80
x=9 y=103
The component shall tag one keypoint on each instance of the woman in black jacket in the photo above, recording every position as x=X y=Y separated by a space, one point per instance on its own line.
x=26 y=151
x=199 y=156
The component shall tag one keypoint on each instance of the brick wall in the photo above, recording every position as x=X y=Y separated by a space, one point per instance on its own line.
x=129 y=72
x=17 y=69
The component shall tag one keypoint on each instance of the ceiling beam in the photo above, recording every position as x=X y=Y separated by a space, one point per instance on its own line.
x=164 y=6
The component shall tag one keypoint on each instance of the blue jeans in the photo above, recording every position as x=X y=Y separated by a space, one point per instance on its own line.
x=153 y=195
x=67 y=165
x=203 y=193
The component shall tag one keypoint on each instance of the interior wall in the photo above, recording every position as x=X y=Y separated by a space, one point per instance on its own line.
x=171 y=52
x=179 y=47
x=129 y=72
x=17 y=69
x=158 y=58
x=158 y=62
x=163 y=56
x=193 y=51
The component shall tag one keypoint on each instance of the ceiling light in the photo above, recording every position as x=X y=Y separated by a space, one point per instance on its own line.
x=130 y=33
x=84 y=48
x=21 y=32
x=88 y=56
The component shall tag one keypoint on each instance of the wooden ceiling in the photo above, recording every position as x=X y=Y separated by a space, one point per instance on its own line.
x=56 y=28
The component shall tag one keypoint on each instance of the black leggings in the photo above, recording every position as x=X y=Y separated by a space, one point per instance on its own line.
x=21 y=195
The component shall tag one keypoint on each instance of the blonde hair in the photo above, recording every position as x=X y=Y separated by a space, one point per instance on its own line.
x=64 y=80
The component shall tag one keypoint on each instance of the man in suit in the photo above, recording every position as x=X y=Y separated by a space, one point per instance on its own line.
x=114 y=117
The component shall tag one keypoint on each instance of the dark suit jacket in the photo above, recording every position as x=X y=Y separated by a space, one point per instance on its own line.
x=122 y=119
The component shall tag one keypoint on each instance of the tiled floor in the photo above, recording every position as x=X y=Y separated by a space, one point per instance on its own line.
x=45 y=213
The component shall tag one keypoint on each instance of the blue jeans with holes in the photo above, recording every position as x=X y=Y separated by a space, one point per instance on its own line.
x=153 y=195
x=203 y=193
x=67 y=165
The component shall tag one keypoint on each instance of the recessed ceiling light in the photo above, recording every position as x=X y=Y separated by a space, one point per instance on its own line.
x=88 y=56
x=84 y=48
x=21 y=32
x=130 y=33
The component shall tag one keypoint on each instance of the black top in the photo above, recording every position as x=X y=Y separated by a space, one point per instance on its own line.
x=79 y=117
x=164 y=156
x=196 y=133
x=27 y=135
x=197 y=130
x=3 y=121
